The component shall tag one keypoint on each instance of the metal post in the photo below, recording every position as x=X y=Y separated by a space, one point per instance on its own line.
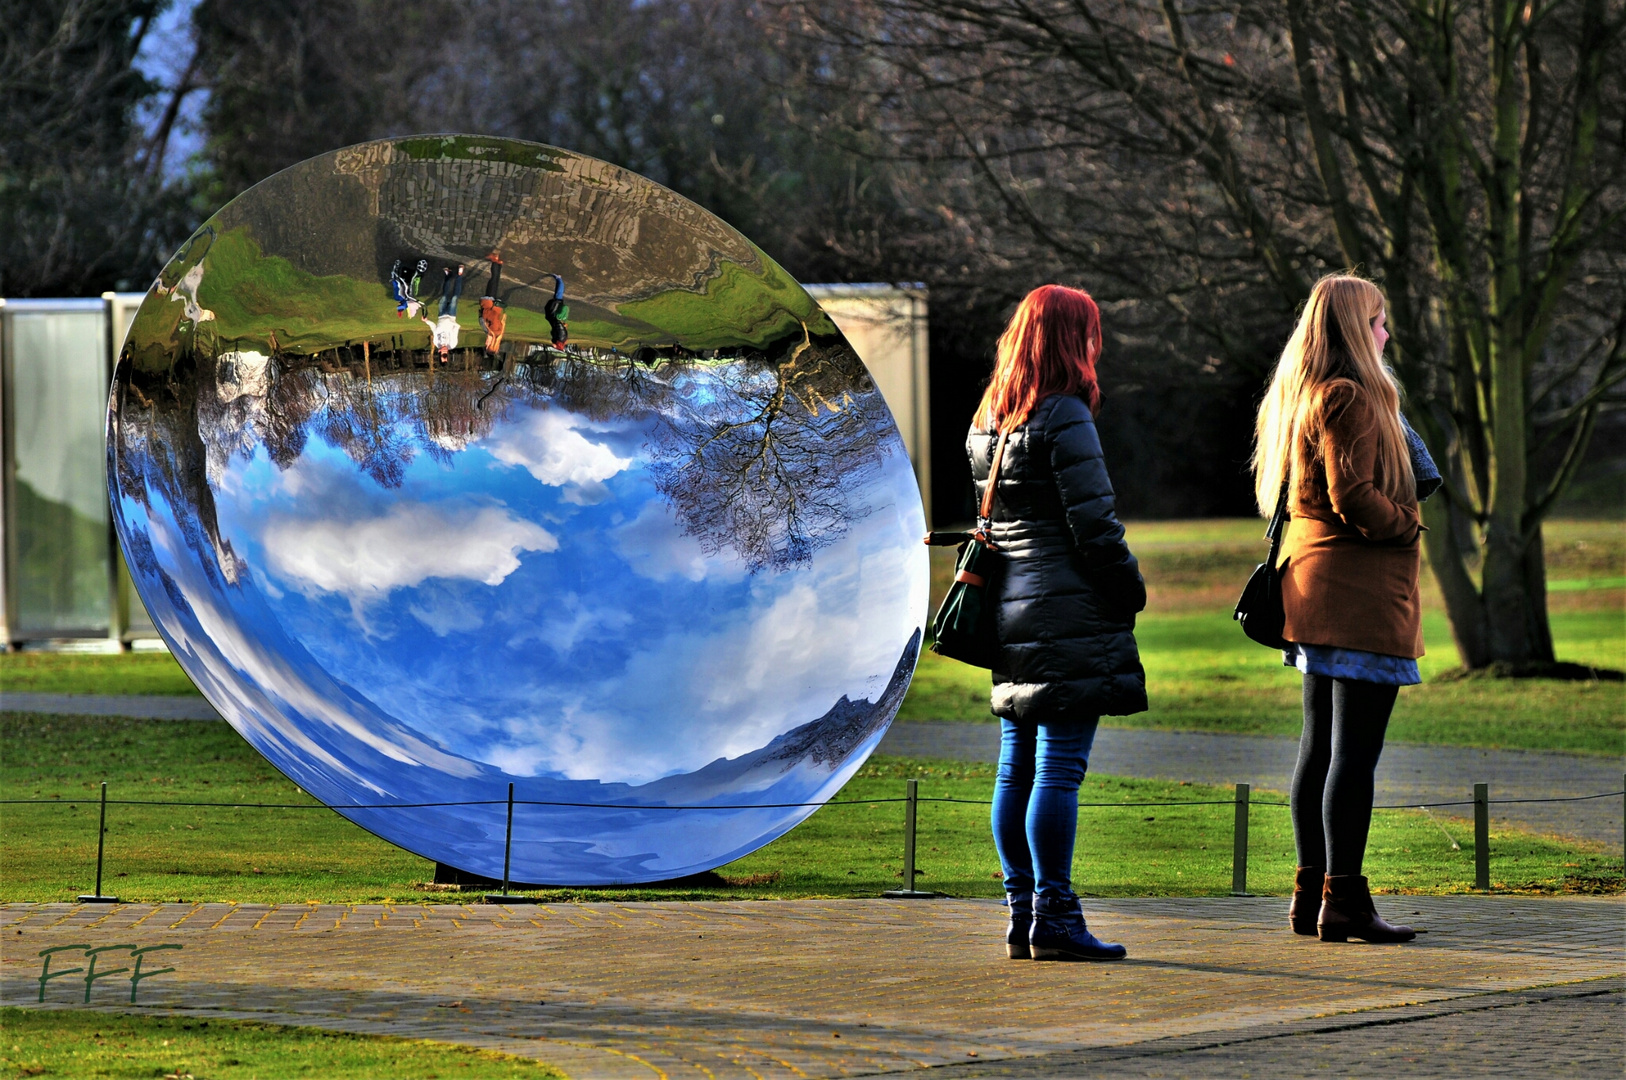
x=508 y=839
x=101 y=837
x=505 y=897
x=911 y=794
x=909 y=892
x=1239 y=843
x=1482 y=837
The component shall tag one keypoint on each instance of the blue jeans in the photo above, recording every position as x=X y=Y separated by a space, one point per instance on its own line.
x=1035 y=815
x=451 y=287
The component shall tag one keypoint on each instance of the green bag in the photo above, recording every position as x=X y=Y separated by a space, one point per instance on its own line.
x=965 y=628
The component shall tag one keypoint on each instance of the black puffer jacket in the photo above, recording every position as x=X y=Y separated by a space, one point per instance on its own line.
x=1070 y=589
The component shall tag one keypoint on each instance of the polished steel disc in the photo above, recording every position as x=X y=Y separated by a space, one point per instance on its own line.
x=446 y=463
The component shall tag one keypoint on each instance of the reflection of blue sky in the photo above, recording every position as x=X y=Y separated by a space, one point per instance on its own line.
x=529 y=608
x=535 y=606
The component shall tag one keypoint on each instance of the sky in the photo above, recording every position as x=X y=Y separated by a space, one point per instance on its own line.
x=163 y=57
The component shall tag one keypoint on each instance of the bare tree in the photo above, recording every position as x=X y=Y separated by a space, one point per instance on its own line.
x=1212 y=159
x=80 y=210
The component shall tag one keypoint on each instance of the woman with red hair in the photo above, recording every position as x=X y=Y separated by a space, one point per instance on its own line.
x=1065 y=605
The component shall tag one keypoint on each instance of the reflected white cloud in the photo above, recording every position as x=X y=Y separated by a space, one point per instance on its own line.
x=656 y=547
x=405 y=545
x=270 y=677
x=560 y=450
x=573 y=621
x=446 y=611
x=804 y=641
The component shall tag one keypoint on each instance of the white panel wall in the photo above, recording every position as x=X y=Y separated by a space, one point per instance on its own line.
x=887 y=326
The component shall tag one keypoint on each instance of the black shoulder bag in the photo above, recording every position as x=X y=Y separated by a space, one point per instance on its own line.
x=1260 y=608
x=965 y=625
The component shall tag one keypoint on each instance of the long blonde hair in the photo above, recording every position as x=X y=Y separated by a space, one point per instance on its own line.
x=1331 y=345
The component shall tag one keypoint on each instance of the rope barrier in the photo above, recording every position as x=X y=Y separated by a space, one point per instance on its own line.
x=470 y=802
x=248 y=806
x=1567 y=798
x=1423 y=806
x=742 y=806
x=1243 y=804
x=1083 y=805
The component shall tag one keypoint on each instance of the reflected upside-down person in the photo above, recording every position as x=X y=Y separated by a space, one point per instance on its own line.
x=1330 y=429
x=404 y=284
x=444 y=331
x=1065 y=605
x=557 y=312
x=494 y=309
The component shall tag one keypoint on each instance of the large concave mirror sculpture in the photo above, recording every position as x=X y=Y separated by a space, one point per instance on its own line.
x=616 y=515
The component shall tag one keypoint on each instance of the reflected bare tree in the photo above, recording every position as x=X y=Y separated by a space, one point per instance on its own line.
x=758 y=454
x=600 y=386
x=290 y=401
x=365 y=425
x=766 y=457
x=158 y=445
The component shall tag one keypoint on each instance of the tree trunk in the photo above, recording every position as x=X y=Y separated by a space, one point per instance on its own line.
x=1505 y=624
x=1463 y=604
x=1538 y=630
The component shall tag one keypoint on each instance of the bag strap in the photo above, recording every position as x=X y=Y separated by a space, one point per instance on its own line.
x=1274 y=532
x=987 y=509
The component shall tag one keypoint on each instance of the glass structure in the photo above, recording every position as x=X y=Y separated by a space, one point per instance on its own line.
x=446 y=463
x=60 y=570
x=56 y=541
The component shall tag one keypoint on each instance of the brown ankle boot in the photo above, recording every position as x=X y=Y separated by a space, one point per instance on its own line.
x=1307 y=888
x=1347 y=912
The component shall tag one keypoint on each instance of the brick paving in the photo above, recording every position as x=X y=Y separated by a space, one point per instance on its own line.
x=838 y=988
x=1569 y=1031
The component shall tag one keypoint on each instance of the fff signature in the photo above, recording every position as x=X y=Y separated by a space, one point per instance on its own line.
x=93 y=957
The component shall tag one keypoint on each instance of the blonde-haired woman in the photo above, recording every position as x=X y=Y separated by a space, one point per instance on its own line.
x=1329 y=429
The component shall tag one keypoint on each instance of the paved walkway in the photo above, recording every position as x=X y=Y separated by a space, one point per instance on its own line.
x=1408 y=773
x=840 y=988
x=139 y=706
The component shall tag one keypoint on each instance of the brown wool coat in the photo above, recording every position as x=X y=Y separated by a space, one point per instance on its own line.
x=1351 y=556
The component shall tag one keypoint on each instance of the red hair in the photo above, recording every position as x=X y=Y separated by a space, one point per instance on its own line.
x=1049 y=347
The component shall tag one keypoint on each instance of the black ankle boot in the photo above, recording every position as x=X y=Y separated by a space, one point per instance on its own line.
x=1307 y=888
x=1347 y=912
x=1059 y=933
x=1016 y=935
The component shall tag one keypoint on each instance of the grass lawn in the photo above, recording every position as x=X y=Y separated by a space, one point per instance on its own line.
x=85 y=1045
x=292 y=856
x=1203 y=674
x=93 y=673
